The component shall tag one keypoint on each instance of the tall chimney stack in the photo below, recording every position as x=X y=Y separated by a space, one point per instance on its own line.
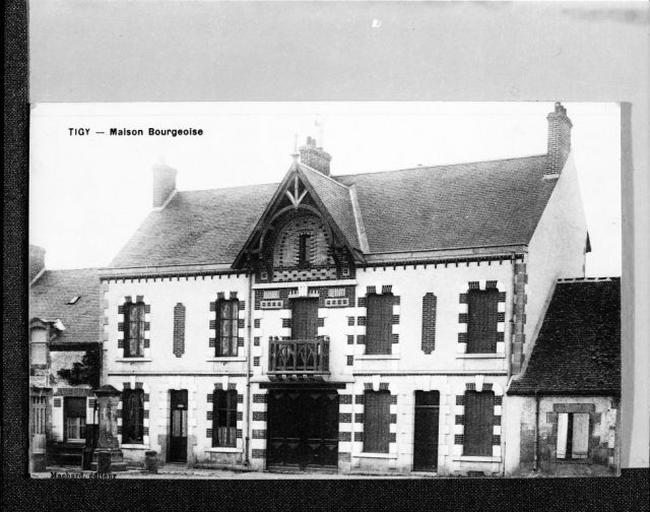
x=164 y=184
x=36 y=261
x=559 y=139
x=315 y=157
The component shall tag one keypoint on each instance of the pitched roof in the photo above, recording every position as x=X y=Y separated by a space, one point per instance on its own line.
x=475 y=204
x=49 y=297
x=206 y=226
x=337 y=200
x=578 y=347
x=489 y=203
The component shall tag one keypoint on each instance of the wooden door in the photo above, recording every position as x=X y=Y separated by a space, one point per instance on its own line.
x=178 y=426
x=303 y=428
x=425 y=447
x=304 y=318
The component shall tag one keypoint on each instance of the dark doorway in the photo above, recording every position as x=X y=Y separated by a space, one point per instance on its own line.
x=178 y=426
x=303 y=428
x=304 y=318
x=425 y=448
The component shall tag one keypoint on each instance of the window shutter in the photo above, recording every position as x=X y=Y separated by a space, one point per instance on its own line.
x=562 y=430
x=304 y=318
x=376 y=422
x=482 y=306
x=479 y=422
x=379 y=324
x=580 y=438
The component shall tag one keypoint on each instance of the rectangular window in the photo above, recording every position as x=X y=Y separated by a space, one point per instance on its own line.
x=133 y=416
x=376 y=421
x=572 y=435
x=482 y=309
x=227 y=327
x=379 y=324
x=224 y=418
x=479 y=423
x=74 y=412
x=134 y=329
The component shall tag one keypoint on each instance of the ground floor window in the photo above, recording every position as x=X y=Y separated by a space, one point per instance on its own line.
x=224 y=418
x=376 y=421
x=74 y=411
x=133 y=416
x=479 y=423
x=572 y=435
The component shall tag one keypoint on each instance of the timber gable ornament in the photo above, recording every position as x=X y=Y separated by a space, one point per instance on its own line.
x=297 y=238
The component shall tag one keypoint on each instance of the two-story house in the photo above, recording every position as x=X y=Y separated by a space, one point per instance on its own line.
x=359 y=322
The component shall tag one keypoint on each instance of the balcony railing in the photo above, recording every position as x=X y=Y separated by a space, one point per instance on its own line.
x=299 y=356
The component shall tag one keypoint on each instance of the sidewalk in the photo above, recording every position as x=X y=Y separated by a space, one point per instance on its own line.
x=179 y=472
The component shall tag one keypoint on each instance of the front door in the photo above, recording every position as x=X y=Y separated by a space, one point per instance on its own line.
x=425 y=449
x=178 y=426
x=304 y=318
x=303 y=428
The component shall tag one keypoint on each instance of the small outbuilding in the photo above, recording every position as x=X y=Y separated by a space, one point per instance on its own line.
x=564 y=409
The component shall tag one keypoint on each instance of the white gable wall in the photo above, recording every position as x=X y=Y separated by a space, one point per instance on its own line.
x=556 y=250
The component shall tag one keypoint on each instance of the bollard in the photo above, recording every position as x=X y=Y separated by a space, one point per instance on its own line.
x=151 y=461
x=103 y=461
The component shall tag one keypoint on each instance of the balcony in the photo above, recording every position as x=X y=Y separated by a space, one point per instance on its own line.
x=299 y=356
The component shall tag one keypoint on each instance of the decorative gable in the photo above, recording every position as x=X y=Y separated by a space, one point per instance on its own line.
x=297 y=237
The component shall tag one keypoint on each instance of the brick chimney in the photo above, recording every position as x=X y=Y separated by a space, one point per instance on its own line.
x=164 y=184
x=559 y=139
x=36 y=261
x=315 y=157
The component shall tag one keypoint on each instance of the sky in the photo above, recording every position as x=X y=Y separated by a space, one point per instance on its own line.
x=89 y=193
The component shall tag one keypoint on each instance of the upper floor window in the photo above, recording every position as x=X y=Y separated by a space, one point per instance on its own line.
x=134 y=322
x=379 y=323
x=133 y=416
x=482 y=319
x=227 y=327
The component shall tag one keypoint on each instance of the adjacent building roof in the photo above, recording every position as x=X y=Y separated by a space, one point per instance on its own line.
x=577 y=351
x=52 y=297
x=491 y=203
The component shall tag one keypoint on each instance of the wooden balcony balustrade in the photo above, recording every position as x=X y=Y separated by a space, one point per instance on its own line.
x=299 y=356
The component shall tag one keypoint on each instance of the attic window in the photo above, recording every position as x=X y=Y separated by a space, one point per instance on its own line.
x=74 y=300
